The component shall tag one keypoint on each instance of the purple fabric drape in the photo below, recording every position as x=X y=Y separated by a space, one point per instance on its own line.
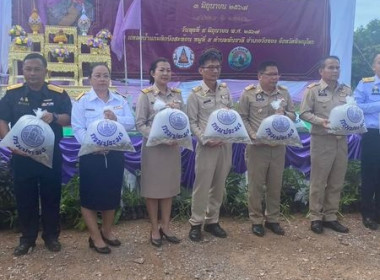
x=299 y=158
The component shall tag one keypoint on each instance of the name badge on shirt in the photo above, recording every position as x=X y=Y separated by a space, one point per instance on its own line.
x=90 y=109
x=375 y=90
x=322 y=92
x=207 y=101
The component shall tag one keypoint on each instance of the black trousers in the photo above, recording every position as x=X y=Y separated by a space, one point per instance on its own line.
x=370 y=174
x=34 y=184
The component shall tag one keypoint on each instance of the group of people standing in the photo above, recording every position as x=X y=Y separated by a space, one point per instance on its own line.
x=101 y=173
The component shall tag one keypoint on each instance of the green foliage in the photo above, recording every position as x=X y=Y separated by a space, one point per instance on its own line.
x=181 y=208
x=70 y=205
x=366 y=44
x=236 y=200
x=350 y=194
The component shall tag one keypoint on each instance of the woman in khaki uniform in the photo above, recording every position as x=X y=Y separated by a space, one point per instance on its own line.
x=161 y=164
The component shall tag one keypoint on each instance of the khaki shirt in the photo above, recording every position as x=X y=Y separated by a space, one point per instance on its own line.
x=255 y=106
x=144 y=107
x=318 y=101
x=202 y=102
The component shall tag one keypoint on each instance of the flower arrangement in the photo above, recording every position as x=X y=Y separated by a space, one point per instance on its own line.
x=104 y=34
x=22 y=41
x=60 y=53
x=17 y=30
x=95 y=43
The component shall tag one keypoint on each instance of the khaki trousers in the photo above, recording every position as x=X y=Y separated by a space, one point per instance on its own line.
x=212 y=166
x=265 y=166
x=328 y=169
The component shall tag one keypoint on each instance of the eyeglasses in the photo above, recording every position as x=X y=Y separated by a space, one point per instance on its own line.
x=212 y=67
x=271 y=74
x=98 y=77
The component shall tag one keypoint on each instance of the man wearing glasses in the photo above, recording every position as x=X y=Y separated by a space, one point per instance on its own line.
x=328 y=152
x=212 y=160
x=265 y=163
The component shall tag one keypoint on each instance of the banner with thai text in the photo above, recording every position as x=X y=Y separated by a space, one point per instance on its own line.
x=294 y=33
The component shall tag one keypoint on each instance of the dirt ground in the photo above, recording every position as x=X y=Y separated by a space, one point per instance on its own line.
x=300 y=254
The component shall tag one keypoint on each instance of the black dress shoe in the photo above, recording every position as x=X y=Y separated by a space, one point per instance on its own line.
x=171 y=239
x=258 y=230
x=316 y=227
x=335 y=225
x=195 y=233
x=275 y=228
x=100 y=250
x=369 y=223
x=113 y=242
x=155 y=242
x=23 y=248
x=216 y=230
x=53 y=245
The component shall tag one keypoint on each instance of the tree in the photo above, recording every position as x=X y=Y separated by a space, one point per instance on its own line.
x=366 y=45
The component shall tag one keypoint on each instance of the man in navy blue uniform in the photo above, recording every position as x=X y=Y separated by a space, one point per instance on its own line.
x=33 y=181
x=367 y=95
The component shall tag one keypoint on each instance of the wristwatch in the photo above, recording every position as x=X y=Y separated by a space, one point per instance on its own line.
x=55 y=117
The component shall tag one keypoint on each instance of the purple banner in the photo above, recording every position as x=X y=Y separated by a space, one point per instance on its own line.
x=292 y=32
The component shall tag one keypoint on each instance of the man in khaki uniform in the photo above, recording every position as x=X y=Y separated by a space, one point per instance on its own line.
x=212 y=160
x=328 y=152
x=265 y=163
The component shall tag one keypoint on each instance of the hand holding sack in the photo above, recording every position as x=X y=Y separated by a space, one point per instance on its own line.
x=169 y=125
x=278 y=130
x=105 y=135
x=33 y=137
x=347 y=119
x=301 y=125
x=227 y=126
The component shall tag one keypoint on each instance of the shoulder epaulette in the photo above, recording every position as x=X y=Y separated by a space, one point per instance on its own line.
x=176 y=90
x=197 y=88
x=282 y=87
x=55 y=88
x=80 y=96
x=14 y=86
x=249 y=87
x=147 y=90
x=223 y=85
x=312 y=85
x=368 y=79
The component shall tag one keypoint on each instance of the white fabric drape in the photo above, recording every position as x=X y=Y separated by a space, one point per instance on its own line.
x=5 y=39
x=342 y=35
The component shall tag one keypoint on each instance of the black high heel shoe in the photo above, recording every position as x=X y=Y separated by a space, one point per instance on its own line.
x=171 y=239
x=155 y=242
x=114 y=242
x=100 y=250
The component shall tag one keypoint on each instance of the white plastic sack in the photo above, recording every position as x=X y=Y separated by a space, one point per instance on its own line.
x=225 y=125
x=278 y=130
x=170 y=125
x=105 y=135
x=300 y=125
x=32 y=136
x=347 y=119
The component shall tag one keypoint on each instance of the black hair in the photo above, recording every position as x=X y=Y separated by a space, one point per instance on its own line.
x=210 y=54
x=322 y=62
x=96 y=64
x=36 y=56
x=263 y=65
x=153 y=67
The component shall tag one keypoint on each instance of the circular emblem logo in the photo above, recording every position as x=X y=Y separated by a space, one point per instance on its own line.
x=239 y=58
x=280 y=124
x=226 y=117
x=177 y=120
x=32 y=135
x=354 y=114
x=106 y=128
x=183 y=57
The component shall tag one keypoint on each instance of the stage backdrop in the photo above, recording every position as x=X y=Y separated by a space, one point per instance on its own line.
x=295 y=33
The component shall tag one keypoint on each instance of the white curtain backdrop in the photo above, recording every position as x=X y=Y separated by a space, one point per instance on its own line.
x=5 y=39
